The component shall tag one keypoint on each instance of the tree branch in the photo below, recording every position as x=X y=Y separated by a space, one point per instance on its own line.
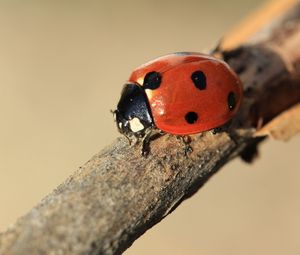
x=117 y=195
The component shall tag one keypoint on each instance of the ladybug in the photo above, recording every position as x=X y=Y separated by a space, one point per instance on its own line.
x=181 y=93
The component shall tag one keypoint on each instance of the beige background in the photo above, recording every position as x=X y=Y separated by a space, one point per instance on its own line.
x=62 y=66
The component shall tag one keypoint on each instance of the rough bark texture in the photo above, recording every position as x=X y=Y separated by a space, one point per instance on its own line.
x=117 y=195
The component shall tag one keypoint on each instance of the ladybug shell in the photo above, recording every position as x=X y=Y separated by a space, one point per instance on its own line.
x=192 y=92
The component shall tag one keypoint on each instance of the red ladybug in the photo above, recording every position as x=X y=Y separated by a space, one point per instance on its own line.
x=181 y=94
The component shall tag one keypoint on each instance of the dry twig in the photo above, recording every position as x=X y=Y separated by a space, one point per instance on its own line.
x=117 y=195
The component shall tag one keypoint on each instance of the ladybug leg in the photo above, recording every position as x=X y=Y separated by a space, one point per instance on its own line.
x=128 y=139
x=186 y=140
x=132 y=140
x=224 y=128
x=135 y=140
x=145 y=149
x=150 y=135
x=217 y=130
x=228 y=130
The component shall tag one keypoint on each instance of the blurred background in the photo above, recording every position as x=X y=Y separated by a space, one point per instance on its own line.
x=62 y=67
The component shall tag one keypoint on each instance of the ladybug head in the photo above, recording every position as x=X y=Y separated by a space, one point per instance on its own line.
x=133 y=114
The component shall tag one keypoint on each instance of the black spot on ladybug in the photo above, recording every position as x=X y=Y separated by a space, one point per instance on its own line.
x=152 y=80
x=231 y=100
x=199 y=79
x=191 y=117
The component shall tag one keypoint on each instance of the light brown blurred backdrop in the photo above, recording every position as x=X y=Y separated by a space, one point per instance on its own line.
x=62 y=66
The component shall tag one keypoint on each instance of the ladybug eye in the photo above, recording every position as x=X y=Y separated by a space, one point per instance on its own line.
x=231 y=100
x=191 y=117
x=152 y=80
x=199 y=79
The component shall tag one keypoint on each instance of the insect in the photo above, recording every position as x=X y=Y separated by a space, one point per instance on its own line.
x=182 y=94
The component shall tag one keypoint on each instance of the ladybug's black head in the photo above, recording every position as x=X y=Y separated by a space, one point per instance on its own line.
x=133 y=114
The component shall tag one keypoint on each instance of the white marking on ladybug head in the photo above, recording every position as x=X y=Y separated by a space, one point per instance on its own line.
x=136 y=125
x=120 y=125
